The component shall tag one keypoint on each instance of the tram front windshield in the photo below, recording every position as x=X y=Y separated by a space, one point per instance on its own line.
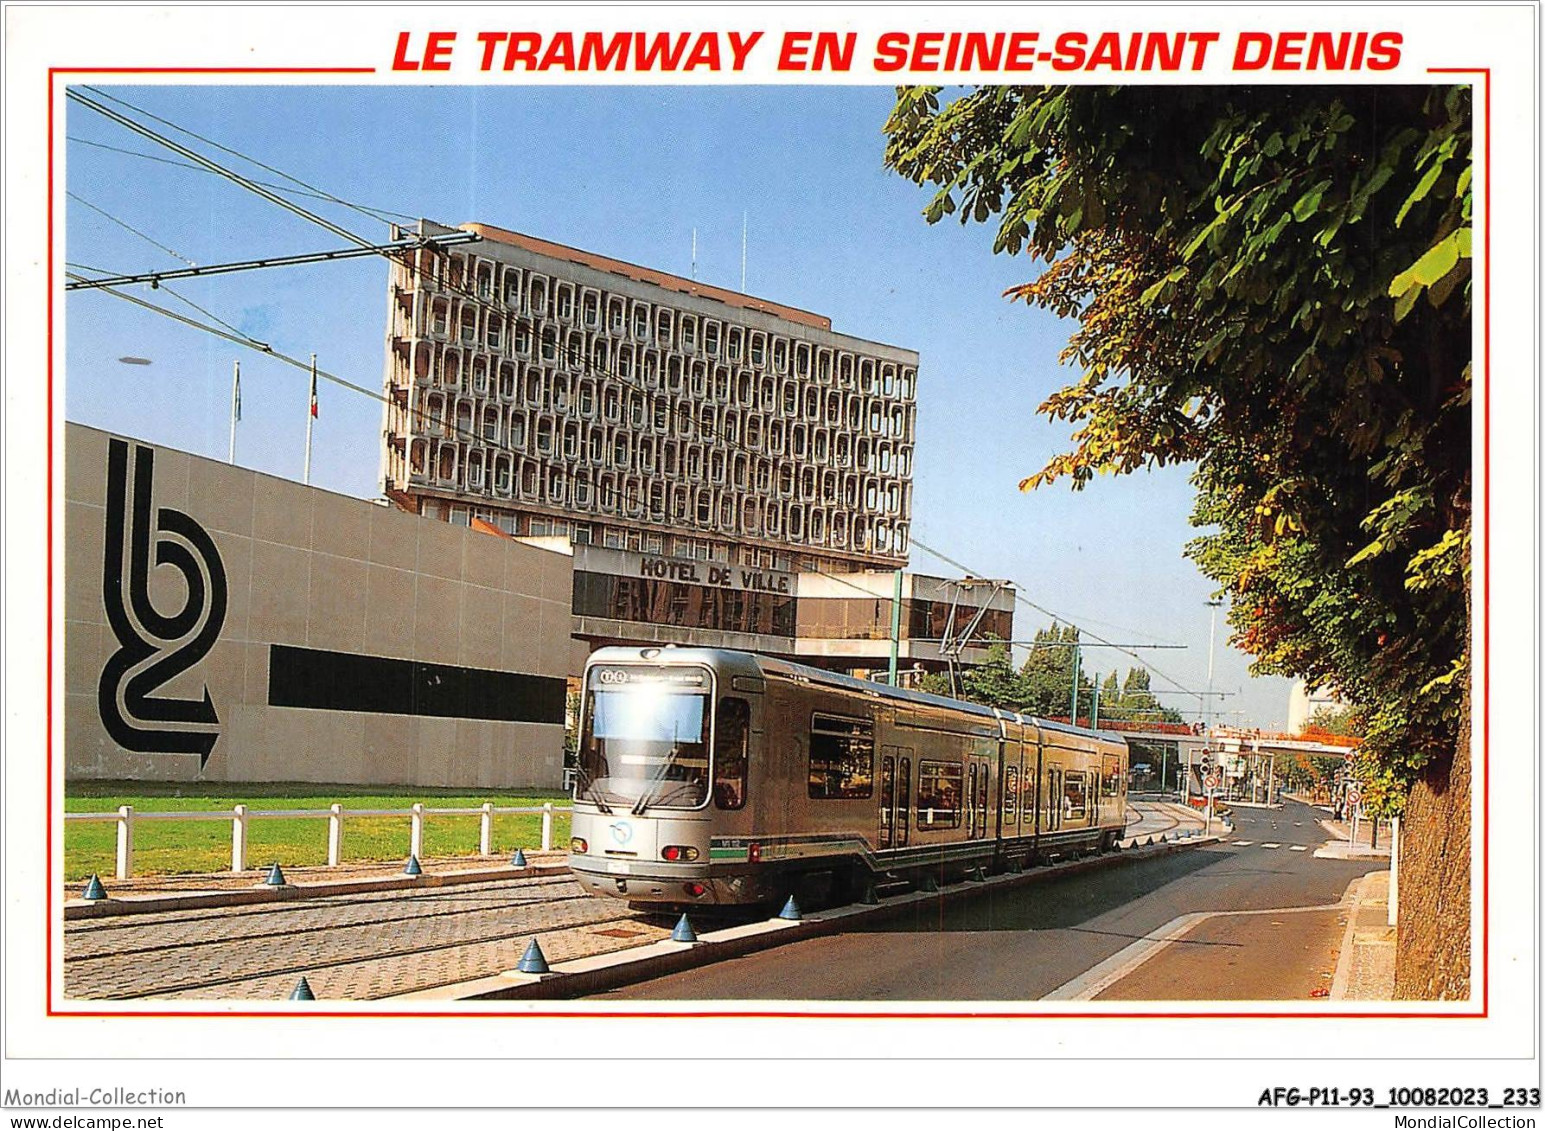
x=644 y=744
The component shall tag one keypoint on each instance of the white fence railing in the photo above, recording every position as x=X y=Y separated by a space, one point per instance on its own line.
x=240 y=815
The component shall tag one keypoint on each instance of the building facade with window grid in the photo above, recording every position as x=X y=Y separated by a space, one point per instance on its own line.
x=552 y=392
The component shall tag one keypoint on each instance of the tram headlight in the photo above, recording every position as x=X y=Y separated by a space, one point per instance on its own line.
x=675 y=852
x=578 y=845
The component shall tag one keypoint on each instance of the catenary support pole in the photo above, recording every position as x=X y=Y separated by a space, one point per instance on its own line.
x=235 y=408
x=311 y=415
x=895 y=627
x=1073 y=711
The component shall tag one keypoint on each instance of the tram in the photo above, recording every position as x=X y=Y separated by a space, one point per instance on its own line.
x=715 y=777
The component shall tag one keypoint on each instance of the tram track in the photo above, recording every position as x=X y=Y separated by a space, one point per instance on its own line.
x=451 y=903
x=204 y=966
x=1146 y=811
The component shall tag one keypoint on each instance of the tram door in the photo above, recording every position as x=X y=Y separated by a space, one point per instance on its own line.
x=895 y=796
x=1053 y=800
x=976 y=799
x=888 y=798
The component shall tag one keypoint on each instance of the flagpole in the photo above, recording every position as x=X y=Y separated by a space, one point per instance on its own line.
x=311 y=415
x=235 y=407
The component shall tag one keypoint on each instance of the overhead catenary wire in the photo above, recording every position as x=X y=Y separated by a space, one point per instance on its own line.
x=158 y=278
x=385 y=215
x=245 y=182
x=178 y=295
x=126 y=226
x=363 y=210
x=1019 y=596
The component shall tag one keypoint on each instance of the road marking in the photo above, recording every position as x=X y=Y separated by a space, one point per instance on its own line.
x=1099 y=978
x=1243 y=843
x=1298 y=847
x=1274 y=844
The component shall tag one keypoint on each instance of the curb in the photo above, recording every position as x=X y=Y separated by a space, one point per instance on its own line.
x=1343 y=975
x=201 y=900
x=584 y=976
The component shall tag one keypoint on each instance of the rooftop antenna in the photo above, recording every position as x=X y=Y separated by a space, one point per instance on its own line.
x=744 y=220
x=694 y=253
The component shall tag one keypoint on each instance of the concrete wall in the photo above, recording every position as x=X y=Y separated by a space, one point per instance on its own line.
x=408 y=651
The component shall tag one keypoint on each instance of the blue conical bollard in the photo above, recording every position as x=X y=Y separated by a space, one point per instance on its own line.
x=519 y=859
x=790 y=910
x=683 y=931
x=275 y=877
x=533 y=961
x=302 y=991
x=929 y=884
x=871 y=897
x=94 y=888
x=411 y=868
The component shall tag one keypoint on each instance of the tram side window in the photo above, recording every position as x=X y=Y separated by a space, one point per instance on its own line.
x=1075 y=795
x=1110 y=776
x=732 y=725
x=939 y=788
x=1010 y=794
x=841 y=757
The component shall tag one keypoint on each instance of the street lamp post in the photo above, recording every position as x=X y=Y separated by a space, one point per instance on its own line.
x=1073 y=715
x=1212 y=640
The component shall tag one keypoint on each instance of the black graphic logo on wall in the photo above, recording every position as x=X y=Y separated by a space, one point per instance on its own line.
x=154 y=647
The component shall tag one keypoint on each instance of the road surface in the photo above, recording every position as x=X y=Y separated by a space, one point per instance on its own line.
x=1025 y=943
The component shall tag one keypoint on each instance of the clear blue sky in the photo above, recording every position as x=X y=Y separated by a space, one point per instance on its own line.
x=627 y=172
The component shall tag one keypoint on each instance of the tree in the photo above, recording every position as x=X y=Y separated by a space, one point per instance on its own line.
x=1337 y=720
x=1043 y=686
x=1272 y=284
x=1048 y=672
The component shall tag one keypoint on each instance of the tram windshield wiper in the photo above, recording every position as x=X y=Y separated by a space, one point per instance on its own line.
x=649 y=794
x=590 y=791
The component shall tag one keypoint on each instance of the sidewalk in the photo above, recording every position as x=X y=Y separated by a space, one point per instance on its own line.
x=1365 y=969
x=1342 y=847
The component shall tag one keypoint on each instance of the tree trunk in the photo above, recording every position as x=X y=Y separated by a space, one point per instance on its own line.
x=1432 y=944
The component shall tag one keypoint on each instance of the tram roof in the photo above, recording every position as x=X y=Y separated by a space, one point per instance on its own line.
x=751 y=663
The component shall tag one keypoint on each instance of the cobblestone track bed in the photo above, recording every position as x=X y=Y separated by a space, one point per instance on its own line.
x=336 y=938
x=172 y=930
x=401 y=974
x=304 y=903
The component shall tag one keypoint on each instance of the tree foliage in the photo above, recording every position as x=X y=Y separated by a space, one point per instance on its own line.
x=1043 y=685
x=1272 y=284
x=1343 y=721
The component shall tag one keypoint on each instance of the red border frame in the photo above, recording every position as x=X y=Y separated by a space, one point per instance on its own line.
x=1485 y=633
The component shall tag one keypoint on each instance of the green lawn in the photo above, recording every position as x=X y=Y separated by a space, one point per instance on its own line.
x=171 y=847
